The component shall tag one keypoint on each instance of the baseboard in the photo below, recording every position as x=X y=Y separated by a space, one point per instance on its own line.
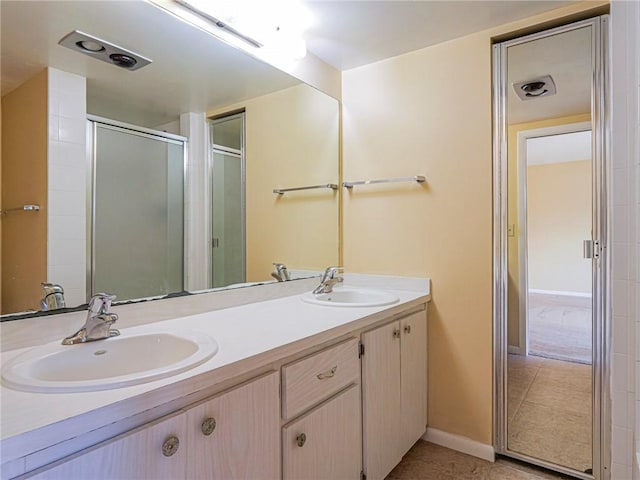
x=560 y=293
x=514 y=350
x=460 y=444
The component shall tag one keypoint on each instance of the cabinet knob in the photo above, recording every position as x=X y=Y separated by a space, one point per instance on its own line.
x=208 y=425
x=170 y=446
x=407 y=329
x=396 y=333
x=301 y=439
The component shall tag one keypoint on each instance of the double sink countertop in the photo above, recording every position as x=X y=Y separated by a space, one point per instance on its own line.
x=250 y=336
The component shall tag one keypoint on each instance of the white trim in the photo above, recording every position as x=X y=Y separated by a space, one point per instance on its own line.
x=560 y=293
x=460 y=444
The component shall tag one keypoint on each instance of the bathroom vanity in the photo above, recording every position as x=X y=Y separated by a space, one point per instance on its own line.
x=296 y=390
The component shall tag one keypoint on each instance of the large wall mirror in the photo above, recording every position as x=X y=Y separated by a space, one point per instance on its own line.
x=157 y=180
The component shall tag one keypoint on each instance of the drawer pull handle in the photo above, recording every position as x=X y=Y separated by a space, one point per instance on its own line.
x=407 y=329
x=329 y=374
x=301 y=439
x=396 y=333
x=208 y=425
x=170 y=446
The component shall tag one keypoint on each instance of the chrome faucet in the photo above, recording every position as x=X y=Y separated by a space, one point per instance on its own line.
x=98 y=323
x=281 y=274
x=329 y=279
x=53 y=296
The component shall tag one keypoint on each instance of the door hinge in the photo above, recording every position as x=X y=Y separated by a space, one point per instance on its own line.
x=360 y=349
x=591 y=249
x=362 y=475
x=215 y=242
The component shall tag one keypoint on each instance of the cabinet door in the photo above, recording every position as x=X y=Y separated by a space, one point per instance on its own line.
x=133 y=455
x=245 y=442
x=326 y=443
x=381 y=400
x=413 y=378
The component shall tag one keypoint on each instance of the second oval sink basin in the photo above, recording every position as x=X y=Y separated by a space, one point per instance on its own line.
x=352 y=297
x=115 y=362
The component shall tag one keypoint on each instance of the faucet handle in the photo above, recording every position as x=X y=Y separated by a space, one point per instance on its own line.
x=331 y=271
x=282 y=272
x=100 y=303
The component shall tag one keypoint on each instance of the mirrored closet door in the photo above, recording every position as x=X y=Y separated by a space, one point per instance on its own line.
x=549 y=239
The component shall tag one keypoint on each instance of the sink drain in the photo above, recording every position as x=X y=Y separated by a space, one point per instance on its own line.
x=99 y=352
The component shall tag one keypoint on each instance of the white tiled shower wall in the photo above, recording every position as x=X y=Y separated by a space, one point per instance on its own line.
x=625 y=249
x=67 y=179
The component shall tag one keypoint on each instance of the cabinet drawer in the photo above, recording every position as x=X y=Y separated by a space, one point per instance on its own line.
x=318 y=376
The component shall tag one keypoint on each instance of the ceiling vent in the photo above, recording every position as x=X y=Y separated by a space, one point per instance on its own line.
x=103 y=50
x=538 y=87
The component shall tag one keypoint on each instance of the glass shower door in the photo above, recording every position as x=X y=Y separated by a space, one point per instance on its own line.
x=138 y=221
x=227 y=201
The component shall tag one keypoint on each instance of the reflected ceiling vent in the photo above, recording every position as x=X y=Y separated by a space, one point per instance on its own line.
x=103 y=50
x=538 y=87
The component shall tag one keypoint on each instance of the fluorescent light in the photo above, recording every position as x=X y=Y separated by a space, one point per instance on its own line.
x=275 y=25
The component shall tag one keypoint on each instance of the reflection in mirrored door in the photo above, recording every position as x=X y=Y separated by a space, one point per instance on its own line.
x=549 y=234
x=227 y=201
x=137 y=224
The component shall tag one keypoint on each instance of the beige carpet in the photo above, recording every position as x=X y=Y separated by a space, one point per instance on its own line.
x=560 y=327
x=549 y=410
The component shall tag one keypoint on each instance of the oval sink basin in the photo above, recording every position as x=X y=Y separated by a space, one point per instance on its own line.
x=129 y=359
x=352 y=297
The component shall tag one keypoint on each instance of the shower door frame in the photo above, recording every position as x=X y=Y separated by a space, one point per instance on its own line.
x=600 y=120
x=92 y=125
x=240 y=154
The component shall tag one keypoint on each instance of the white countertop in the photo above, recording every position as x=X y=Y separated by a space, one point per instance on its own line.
x=247 y=335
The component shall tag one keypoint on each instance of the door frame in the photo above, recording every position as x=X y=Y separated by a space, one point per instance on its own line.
x=523 y=246
x=600 y=122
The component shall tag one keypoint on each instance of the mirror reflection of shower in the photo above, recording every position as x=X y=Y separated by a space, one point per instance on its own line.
x=228 y=238
x=137 y=218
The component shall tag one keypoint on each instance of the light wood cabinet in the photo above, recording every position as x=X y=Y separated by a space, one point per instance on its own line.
x=325 y=443
x=394 y=386
x=133 y=455
x=235 y=435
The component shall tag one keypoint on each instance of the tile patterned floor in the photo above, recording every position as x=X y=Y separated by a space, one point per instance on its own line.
x=426 y=461
x=549 y=410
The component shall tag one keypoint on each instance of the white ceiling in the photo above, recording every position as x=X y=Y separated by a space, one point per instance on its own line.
x=348 y=34
x=193 y=71
x=566 y=147
x=567 y=58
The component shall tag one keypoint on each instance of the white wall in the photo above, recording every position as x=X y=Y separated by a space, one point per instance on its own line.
x=625 y=251
x=67 y=180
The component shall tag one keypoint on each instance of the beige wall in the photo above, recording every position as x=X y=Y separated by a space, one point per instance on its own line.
x=24 y=181
x=513 y=250
x=291 y=140
x=558 y=220
x=419 y=113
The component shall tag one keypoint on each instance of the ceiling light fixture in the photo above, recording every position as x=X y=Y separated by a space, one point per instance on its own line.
x=276 y=27
x=103 y=50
